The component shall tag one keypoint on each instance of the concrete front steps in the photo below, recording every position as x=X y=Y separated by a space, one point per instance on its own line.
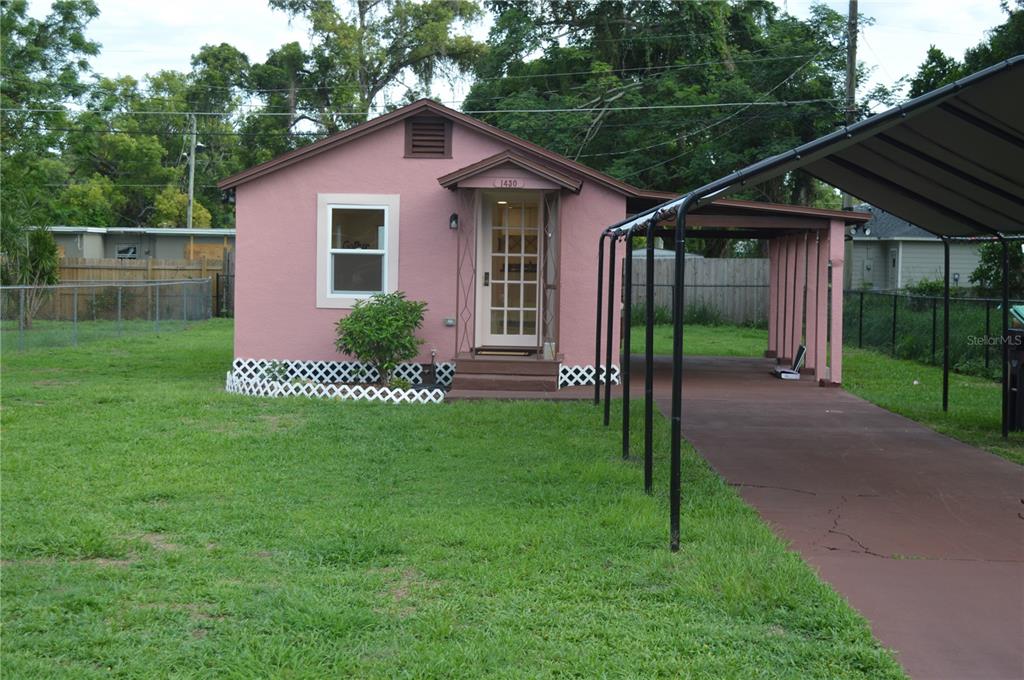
x=477 y=376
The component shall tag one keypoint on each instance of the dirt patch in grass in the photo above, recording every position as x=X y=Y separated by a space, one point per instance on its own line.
x=278 y=423
x=53 y=382
x=117 y=562
x=158 y=541
x=402 y=585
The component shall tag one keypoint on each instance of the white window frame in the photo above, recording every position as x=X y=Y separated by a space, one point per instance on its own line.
x=326 y=296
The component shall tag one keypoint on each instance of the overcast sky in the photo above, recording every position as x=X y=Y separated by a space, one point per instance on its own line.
x=145 y=36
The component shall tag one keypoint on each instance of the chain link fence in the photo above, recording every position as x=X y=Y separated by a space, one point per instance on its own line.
x=34 y=317
x=910 y=327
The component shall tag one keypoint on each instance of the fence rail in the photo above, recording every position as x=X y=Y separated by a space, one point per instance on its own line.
x=74 y=312
x=910 y=327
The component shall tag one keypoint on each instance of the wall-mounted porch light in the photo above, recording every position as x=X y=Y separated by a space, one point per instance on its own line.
x=453 y=221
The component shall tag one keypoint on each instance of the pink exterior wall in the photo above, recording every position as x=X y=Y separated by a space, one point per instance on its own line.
x=583 y=217
x=276 y=316
x=800 y=295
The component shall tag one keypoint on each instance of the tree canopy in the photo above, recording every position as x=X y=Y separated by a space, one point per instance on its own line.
x=665 y=94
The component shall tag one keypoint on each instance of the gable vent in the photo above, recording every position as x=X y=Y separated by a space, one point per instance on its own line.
x=428 y=138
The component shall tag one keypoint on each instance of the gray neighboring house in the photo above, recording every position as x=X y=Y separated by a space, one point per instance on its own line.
x=888 y=253
x=138 y=243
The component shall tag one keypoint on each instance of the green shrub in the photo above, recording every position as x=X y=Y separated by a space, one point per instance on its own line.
x=400 y=384
x=929 y=287
x=702 y=314
x=381 y=331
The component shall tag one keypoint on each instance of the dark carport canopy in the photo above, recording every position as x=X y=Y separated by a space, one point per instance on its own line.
x=950 y=161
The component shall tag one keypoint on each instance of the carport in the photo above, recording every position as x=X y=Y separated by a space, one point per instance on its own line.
x=948 y=161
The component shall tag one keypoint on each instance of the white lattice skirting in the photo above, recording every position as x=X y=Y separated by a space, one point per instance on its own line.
x=330 y=371
x=329 y=380
x=570 y=376
x=334 y=379
x=312 y=390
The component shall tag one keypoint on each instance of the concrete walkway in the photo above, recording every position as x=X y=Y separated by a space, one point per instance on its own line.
x=922 y=534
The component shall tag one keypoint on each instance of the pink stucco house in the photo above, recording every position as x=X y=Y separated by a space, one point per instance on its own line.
x=496 y=234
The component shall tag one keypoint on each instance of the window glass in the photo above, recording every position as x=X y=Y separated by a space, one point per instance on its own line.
x=357 y=229
x=358 y=273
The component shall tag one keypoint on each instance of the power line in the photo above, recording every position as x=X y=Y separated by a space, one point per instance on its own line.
x=526 y=76
x=733 y=115
x=534 y=125
x=584 y=109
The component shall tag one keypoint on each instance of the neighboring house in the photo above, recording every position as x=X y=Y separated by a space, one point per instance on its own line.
x=888 y=253
x=497 y=235
x=135 y=243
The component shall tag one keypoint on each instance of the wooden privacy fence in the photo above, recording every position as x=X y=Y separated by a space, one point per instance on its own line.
x=735 y=288
x=74 y=269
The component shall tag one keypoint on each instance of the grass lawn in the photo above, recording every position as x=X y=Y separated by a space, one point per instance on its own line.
x=155 y=526
x=727 y=341
x=974 y=403
x=46 y=334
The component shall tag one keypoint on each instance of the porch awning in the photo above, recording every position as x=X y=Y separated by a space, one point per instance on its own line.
x=950 y=161
x=505 y=170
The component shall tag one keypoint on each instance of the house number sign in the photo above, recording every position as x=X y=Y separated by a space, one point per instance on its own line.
x=509 y=183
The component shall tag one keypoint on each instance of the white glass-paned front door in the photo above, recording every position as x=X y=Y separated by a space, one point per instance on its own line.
x=510 y=284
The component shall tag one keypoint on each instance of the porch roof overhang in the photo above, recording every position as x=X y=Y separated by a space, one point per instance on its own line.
x=510 y=159
x=947 y=161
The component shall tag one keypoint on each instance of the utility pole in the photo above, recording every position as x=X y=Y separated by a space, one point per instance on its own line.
x=192 y=167
x=851 y=79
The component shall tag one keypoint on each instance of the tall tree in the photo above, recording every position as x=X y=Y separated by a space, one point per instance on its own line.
x=41 y=64
x=666 y=94
x=364 y=48
x=1002 y=42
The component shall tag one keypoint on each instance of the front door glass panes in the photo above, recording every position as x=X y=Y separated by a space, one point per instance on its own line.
x=514 y=266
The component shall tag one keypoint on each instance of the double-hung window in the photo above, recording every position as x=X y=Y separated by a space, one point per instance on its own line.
x=358 y=249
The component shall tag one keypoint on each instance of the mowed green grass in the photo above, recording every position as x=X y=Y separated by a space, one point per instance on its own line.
x=726 y=341
x=975 y=404
x=155 y=526
x=914 y=390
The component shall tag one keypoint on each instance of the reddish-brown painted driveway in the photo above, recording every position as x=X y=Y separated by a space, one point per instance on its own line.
x=922 y=534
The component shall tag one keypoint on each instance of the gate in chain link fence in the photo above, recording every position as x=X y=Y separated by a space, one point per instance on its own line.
x=910 y=327
x=72 y=313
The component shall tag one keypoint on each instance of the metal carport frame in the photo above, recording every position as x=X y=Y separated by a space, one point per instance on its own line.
x=949 y=161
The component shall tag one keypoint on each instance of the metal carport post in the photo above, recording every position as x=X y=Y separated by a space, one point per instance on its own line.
x=597 y=335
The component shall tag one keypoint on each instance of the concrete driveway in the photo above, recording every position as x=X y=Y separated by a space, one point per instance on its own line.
x=922 y=534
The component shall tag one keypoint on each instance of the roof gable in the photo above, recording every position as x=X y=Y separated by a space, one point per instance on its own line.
x=527 y=151
x=507 y=159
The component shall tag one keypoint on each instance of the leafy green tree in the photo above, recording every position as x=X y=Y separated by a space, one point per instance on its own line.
x=41 y=64
x=381 y=331
x=363 y=47
x=170 y=209
x=937 y=70
x=1002 y=42
x=715 y=58
x=988 y=275
x=96 y=202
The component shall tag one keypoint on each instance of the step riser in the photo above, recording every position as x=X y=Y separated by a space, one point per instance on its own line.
x=503 y=382
x=485 y=366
